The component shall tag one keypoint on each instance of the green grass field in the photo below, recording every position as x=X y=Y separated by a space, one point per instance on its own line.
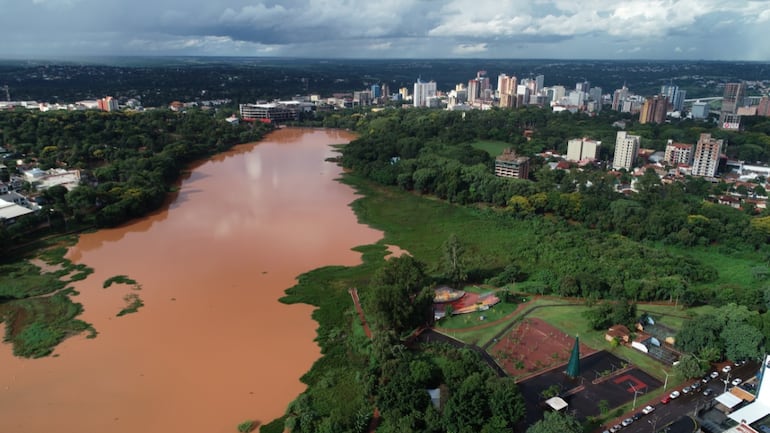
x=494 y=148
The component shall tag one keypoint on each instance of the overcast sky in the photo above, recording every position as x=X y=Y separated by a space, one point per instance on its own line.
x=566 y=29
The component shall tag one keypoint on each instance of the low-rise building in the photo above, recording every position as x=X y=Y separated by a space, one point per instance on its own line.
x=511 y=165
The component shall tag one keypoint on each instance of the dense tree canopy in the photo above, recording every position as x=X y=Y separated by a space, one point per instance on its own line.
x=128 y=161
x=400 y=296
x=556 y=422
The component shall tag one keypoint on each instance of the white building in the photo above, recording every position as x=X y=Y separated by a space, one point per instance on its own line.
x=626 y=150
x=423 y=91
x=580 y=149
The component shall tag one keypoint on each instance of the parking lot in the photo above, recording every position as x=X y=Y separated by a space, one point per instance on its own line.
x=688 y=403
x=603 y=376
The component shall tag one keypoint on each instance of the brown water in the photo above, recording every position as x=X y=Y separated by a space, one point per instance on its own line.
x=212 y=346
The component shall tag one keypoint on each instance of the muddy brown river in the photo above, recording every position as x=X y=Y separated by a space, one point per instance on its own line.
x=212 y=346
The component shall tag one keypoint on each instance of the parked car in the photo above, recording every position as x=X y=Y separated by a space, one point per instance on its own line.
x=627 y=422
x=686 y=390
x=615 y=428
x=726 y=368
x=737 y=381
x=665 y=399
x=674 y=395
x=707 y=392
x=647 y=410
x=695 y=386
x=637 y=416
x=714 y=374
x=706 y=379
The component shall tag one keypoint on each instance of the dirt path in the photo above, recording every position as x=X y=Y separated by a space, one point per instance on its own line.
x=357 y=302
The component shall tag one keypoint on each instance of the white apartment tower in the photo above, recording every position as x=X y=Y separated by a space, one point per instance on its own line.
x=423 y=91
x=626 y=150
x=706 y=158
x=580 y=149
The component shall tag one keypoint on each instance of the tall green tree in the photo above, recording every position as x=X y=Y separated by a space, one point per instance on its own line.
x=453 y=262
x=556 y=422
x=400 y=298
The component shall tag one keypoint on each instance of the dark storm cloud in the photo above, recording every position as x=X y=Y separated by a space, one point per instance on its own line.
x=396 y=28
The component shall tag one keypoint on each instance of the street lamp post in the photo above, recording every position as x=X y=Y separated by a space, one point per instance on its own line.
x=635 y=394
x=665 y=384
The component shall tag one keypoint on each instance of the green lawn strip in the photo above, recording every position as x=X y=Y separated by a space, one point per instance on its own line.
x=673 y=316
x=494 y=148
x=460 y=321
x=476 y=336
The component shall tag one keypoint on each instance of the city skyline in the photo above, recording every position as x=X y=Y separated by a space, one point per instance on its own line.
x=628 y=29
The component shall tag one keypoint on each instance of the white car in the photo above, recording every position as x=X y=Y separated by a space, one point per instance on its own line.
x=647 y=410
x=737 y=381
x=674 y=395
x=726 y=369
x=714 y=374
x=627 y=422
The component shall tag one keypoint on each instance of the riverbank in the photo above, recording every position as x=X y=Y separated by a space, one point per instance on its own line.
x=211 y=340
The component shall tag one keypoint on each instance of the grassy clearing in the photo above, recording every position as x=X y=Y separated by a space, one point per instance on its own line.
x=735 y=269
x=674 y=316
x=494 y=148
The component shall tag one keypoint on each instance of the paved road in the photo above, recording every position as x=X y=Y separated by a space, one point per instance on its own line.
x=686 y=404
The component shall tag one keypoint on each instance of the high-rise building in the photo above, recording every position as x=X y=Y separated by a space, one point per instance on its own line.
x=507 y=91
x=376 y=91
x=595 y=93
x=423 y=91
x=618 y=97
x=580 y=149
x=583 y=86
x=626 y=150
x=362 y=98
x=478 y=88
x=700 y=110
x=734 y=96
x=539 y=83
x=674 y=95
x=678 y=153
x=108 y=103
x=706 y=158
x=654 y=110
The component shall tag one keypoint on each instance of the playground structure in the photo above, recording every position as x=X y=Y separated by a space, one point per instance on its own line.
x=461 y=302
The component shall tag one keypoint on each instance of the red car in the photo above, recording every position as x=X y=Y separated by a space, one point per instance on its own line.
x=666 y=399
